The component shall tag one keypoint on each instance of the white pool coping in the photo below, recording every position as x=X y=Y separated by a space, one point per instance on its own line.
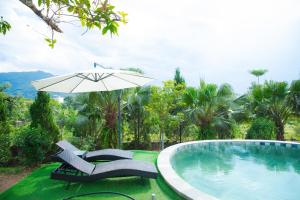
x=183 y=188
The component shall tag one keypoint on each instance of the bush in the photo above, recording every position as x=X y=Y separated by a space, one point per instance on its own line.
x=261 y=128
x=237 y=133
x=32 y=145
x=4 y=143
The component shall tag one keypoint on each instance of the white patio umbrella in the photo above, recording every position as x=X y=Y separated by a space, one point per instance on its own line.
x=95 y=80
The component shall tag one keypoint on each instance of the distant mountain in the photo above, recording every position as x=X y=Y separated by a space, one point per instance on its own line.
x=21 y=82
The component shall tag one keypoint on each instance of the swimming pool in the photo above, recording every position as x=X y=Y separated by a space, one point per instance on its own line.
x=233 y=169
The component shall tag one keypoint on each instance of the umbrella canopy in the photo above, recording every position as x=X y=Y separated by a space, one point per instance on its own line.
x=95 y=80
x=99 y=79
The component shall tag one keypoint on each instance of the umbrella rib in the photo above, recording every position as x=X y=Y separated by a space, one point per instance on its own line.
x=85 y=77
x=57 y=82
x=106 y=76
x=95 y=77
x=77 y=85
x=104 y=84
x=100 y=76
x=126 y=80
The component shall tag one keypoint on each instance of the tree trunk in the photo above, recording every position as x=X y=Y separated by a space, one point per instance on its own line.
x=138 y=127
x=135 y=134
x=180 y=132
x=200 y=134
x=162 y=145
x=279 y=131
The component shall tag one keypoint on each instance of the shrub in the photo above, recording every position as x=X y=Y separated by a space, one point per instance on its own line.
x=237 y=133
x=4 y=129
x=42 y=116
x=261 y=128
x=32 y=144
x=4 y=143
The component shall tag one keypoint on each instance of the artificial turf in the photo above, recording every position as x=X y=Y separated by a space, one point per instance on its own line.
x=38 y=186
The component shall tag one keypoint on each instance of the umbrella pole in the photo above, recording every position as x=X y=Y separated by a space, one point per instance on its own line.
x=119 y=120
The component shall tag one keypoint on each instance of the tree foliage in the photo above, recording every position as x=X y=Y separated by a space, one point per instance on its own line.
x=42 y=116
x=4 y=26
x=137 y=100
x=209 y=108
x=270 y=100
x=294 y=96
x=258 y=73
x=178 y=78
x=4 y=127
x=99 y=14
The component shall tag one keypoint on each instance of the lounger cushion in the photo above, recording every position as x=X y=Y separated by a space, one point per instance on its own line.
x=134 y=165
x=104 y=154
x=108 y=154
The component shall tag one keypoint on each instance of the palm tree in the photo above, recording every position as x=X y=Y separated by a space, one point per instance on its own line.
x=271 y=100
x=294 y=96
x=209 y=108
x=258 y=73
x=135 y=108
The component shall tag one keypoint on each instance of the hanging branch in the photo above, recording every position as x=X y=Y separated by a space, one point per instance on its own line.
x=45 y=18
x=98 y=14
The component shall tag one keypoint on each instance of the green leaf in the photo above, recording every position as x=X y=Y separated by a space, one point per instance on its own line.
x=105 y=29
x=70 y=9
x=39 y=2
x=51 y=42
x=87 y=3
x=48 y=3
x=4 y=26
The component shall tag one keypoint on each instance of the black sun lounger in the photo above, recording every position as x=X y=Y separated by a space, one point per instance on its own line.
x=75 y=169
x=104 y=154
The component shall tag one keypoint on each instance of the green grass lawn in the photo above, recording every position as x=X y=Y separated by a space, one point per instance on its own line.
x=38 y=185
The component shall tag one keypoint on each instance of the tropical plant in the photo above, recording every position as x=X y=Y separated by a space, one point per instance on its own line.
x=109 y=107
x=261 y=128
x=294 y=96
x=209 y=108
x=270 y=100
x=89 y=121
x=135 y=110
x=258 y=73
x=42 y=116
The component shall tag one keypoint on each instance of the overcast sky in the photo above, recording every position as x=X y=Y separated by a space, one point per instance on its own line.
x=216 y=40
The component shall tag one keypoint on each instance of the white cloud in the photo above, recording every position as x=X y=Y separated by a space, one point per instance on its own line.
x=215 y=40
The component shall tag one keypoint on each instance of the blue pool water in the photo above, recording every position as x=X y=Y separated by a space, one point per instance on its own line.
x=241 y=171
